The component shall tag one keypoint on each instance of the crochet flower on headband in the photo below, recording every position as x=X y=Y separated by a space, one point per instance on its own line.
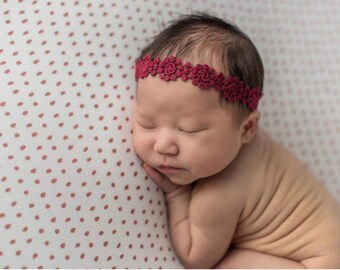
x=203 y=76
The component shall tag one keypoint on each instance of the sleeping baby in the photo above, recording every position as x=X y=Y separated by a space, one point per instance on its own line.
x=235 y=197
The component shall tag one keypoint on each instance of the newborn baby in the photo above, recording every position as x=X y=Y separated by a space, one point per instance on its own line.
x=235 y=197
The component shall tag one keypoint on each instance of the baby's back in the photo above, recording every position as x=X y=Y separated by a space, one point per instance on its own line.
x=288 y=212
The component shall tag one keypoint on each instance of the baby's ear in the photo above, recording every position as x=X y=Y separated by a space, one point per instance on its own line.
x=249 y=126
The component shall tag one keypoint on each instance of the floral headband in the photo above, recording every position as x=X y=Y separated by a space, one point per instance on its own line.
x=203 y=76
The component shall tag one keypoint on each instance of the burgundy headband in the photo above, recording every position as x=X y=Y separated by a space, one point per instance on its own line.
x=203 y=76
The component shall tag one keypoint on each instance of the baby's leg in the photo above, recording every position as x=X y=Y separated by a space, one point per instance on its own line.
x=241 y=258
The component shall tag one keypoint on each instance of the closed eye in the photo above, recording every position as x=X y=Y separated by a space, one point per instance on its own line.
x=192 y=131
x=147 y=127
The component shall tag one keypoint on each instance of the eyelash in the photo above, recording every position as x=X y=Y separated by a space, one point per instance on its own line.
x=190 y=132
x=195 y=131
x=146 y=127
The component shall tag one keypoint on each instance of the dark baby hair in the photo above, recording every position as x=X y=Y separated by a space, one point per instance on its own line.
x=205 y=39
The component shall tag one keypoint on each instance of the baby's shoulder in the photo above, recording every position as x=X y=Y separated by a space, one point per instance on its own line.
x=263 y=163
x=265 y=155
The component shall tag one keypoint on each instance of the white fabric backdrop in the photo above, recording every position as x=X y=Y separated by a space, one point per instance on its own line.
x=72 y=192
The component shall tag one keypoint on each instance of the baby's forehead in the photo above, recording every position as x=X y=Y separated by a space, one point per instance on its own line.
x=178 y=96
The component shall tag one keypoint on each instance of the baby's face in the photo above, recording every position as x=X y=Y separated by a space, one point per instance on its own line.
x=180 y=125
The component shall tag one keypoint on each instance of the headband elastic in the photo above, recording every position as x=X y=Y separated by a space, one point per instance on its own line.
x=203 y=76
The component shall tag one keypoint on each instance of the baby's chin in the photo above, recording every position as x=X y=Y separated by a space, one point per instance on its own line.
x=183 y=179
x=187 y=177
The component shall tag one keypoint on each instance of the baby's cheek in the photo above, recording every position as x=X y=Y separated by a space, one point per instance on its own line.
x=196 y=157
x=206 y=160
x=136 y=142
x=141 y=145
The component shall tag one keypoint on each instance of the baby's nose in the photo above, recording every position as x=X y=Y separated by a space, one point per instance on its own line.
x=166 y=144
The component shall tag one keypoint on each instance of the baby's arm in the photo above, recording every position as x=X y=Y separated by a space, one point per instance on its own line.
x=200 y=233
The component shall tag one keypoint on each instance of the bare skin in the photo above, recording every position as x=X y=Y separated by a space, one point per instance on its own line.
x=255 y=206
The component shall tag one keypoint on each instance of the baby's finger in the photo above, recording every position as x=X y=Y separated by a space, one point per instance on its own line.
x=155 y=175
x=162 y=181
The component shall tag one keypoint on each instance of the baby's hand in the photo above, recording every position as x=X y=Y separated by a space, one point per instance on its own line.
x=171 y=189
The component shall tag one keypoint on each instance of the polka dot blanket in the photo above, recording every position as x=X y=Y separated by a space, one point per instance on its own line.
x=72 y=191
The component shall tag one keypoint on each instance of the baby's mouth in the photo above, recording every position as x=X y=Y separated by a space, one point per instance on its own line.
x=169 y=169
